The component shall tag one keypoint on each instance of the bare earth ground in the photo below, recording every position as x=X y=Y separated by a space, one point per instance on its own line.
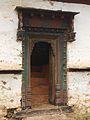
x=47 y=112
x=56 y=116
x=51 y=112
x=48 y=117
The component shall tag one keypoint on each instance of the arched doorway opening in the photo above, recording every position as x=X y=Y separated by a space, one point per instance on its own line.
x=40 y=73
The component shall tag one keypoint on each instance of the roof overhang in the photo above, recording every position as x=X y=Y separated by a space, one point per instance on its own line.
x=36 y=11
x=75 y=1
x=24 y=12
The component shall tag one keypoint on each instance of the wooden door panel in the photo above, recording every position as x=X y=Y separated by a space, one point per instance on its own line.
x=39 y=99
x=52 y=73
x=40 y=90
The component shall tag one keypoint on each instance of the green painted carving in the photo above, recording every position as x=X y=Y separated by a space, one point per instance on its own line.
x=65 y=65
x=61 y=56
x=25 y=62
x=64 y=23
x=63 y=61
x=46 y=23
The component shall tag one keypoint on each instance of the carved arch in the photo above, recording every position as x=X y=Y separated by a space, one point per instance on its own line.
x=33 y=41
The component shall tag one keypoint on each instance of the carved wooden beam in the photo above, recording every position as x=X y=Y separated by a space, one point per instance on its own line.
x=20 y=31
x=20 y=35
x=70 y=35
x=20 y=17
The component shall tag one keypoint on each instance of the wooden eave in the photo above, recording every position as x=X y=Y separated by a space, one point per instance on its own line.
x=75 y=1
x=46 y=12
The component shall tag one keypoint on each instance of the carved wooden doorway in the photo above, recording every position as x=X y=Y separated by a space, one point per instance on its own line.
x=33 y=87
x=42 y=68
x=56 y=28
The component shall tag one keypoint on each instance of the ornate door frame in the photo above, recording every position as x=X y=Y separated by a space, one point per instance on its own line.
x=56 y=40
x=66 y=33
x=52 y=41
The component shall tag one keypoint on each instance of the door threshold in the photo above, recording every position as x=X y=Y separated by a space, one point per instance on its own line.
x=46 y=106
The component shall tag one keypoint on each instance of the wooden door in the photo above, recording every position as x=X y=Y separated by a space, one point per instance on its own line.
x=52 y=75
x=40 y=73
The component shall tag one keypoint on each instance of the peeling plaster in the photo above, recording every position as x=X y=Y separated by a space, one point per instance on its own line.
x=10 y=90
x=78 y=88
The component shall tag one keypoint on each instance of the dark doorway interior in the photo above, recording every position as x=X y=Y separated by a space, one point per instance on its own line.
x=40 y=54
x=40 y=73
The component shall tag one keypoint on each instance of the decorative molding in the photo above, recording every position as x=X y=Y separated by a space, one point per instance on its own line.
x=65 y=65
x=27 y=30
x=70 y=35
x=50 y=41
x=40 y=12
x=20 y=35
x=20 y=17
x=44 y=29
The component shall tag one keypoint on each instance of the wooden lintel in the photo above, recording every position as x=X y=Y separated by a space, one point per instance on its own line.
x=11 y=71
x=79 y=69
x=45 y=11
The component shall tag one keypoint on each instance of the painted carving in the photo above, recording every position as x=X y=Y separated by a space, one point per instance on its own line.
x=70 y=35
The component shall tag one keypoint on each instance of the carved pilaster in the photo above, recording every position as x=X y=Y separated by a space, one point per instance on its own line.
x=65 y=65
x=20 y=32
x=20 y=35
x=58 y=88
x=20 y=17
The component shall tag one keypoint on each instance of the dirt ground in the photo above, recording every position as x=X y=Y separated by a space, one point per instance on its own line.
x=47 y=112
x=49 y=117
x=57 y=116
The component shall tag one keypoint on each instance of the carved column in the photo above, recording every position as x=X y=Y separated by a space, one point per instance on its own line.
x=58 y=80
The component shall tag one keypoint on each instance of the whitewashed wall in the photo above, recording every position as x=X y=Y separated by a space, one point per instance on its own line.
x=10 y=49
x=79 y=89
x=10 y=90
x=78 y=51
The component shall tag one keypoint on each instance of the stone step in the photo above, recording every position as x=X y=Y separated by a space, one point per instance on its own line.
x=41 y=111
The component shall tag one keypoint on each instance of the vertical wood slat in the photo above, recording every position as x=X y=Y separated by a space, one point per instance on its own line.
x=52 y=76
x=61 y=58
x=24 y=79
x=28 y=88
x=63 y=69
x=58 y=62
x=58 y=82
x=26 y=92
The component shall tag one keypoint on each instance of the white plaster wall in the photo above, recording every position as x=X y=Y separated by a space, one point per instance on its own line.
x=10 y=49
x=79 y=89
x=10 y=90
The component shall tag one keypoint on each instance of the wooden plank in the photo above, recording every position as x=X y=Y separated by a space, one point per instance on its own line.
x=39 y=99
x=41 y=90
x=39 y=81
